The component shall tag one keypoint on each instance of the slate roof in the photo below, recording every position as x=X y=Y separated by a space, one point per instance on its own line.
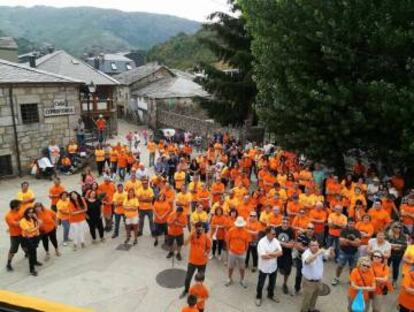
x=62 y=63
x=8 y=43
x=17 y=73
x=136 y=74
x=174 y=87
x=114 y=57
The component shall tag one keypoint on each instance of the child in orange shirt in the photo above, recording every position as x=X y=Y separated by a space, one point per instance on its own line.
x=192 y=304
x=200 y=291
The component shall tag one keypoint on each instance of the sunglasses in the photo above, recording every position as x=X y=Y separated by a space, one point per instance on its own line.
x=378 y=257
x=311 y=228
x=366 y=266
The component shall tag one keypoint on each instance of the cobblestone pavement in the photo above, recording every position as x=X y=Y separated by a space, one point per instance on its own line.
x=105 y=279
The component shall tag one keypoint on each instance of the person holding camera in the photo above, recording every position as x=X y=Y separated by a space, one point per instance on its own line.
x=349 y=242
x=382 y=281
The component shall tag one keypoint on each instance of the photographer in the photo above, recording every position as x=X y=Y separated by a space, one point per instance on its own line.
x=349 y=242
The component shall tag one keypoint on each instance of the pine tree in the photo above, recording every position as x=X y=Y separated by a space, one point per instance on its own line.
x=233 y=90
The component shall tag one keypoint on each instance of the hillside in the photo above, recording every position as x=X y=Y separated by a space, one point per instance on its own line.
x=87 y=29
x=182 y=51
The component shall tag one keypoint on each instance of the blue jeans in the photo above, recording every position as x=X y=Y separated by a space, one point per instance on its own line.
x=142 y=214
x=117 y=222
x=66 y=227
x=350 y=259
x=81 y=139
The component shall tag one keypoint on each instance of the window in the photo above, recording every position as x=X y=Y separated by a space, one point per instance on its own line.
x=5 y=165
x=128 y=66
x=30 y=113
x=113 y=66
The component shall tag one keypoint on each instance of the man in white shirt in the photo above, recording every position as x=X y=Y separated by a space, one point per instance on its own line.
x=312 y=272
x=268 y=250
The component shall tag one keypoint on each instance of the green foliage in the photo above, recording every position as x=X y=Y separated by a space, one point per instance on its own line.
x=233 y=93
x=182 y=51
x=86 y=29
x=336 y=75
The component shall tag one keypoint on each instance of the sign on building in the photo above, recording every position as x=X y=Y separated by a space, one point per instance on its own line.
x=59 y=108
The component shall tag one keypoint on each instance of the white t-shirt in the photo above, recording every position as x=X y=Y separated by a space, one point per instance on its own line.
x=313 y=270
x=265 y=246
x=384 y=248
x=44 y=163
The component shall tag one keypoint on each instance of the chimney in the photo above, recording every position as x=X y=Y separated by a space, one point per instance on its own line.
x=32 y=61
x=96 y=63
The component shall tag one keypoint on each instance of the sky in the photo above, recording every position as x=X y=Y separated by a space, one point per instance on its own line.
x=192 y=9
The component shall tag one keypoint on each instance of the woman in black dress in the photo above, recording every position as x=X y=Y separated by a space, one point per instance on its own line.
x=94 y=216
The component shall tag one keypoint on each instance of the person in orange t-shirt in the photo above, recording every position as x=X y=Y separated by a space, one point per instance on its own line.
x=366 y=229
x=237 y=239
x=176 y=221
x=191 y=304
x=217 y=190
x=152 y=148
x=200 y=245
x=118 y=200
x=162 y=209
x=318 y=217
x=254 y=227
x=406 y=296
x=379 y=216
x=362 y=278
x=48 y=227
x=336 y=222
x=301 y=221
x=200 y=291
x=54 y=193
x=122 y=163
x=107 y=190
x=218 y=226
x=275 y=218
x=382 y=279
x=101 y=127
x=12 y=219
x=293 y=206
x=77 y=219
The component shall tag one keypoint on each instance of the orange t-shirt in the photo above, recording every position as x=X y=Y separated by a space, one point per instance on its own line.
x=76 y=218
x=218 y=226
x=381 y=270
x=11 y=218
x=405 y=299
x=48 y=218
x=199 y=248
x=339 y=220
x=238 y=240
x=118 y=200
x=301 y=222
x=407 y=209
x=161 y=211
x=184 y=200
x=55 y=191
x=201 y=292
x=255 y=226
x=151 y=147
x=145 y=198
x=244 y=210
x=275 y=220
x=109 y=189
x=219 y=188
x=360 y=278
x=293 y=207
x=122 y=160
x=366 y=228
x=319 y=215
x=379 y=219
x=175 y=229
x=189 y=309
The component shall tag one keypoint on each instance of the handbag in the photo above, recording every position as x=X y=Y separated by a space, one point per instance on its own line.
x=358 y=305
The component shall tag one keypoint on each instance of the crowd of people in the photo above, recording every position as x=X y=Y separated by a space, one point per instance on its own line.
x=250 y=206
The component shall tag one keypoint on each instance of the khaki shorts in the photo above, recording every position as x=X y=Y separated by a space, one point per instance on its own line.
x=131 y=221
x=236 y=261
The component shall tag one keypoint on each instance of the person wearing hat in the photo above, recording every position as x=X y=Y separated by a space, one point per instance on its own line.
x=268 y=249
x=101 y=127
x=349 y=242
x=200 y=245
x=237 y=240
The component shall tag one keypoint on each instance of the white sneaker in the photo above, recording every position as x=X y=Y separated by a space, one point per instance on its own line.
x=65 y=244
x=228 y=283
x=210 y=257
x=219 y=258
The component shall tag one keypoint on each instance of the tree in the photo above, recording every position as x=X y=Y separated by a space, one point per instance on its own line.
x=233 y=90
x=335 y=76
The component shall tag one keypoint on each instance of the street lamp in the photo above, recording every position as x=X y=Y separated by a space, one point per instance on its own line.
x=92 y=87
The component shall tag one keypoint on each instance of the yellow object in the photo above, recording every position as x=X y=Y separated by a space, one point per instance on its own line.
x=22 y=301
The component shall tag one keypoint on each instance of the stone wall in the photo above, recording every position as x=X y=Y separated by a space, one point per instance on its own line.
x=34 y=137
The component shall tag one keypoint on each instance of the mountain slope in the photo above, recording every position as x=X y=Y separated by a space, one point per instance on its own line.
x=86 y=29
x=182 y=51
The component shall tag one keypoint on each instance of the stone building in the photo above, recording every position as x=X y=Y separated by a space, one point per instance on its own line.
x=97 y=92
x=8 y=49
x=152 y=88
x=35 y=108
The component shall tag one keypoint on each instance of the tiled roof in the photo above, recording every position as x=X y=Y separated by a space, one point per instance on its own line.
x=62 y=63
x=174 y=87
x=17 y=73
x=136 y=74
x=7 y=43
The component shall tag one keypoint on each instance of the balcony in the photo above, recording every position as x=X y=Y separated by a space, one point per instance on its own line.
x=97 y=106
